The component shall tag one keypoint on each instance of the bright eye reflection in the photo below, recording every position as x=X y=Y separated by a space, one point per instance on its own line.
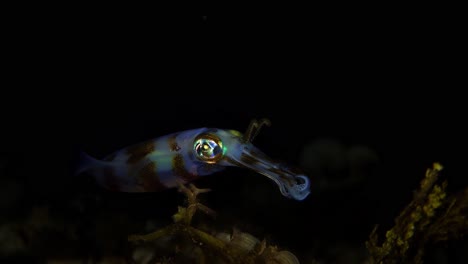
x=208 y=148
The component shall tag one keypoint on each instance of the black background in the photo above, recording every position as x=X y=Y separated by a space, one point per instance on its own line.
x=391 y=82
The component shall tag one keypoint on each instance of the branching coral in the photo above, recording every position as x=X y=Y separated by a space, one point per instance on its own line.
x=430 y=217
x=193 y=244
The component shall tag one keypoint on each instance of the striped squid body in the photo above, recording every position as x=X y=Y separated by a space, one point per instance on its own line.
x=182 y=157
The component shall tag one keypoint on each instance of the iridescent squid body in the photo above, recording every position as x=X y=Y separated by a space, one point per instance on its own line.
x=182 y=157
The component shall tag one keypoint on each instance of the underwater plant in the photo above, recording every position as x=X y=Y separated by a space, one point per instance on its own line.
x=183 y=243
x=431 y=217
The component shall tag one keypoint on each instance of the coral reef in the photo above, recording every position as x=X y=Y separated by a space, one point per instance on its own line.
x=430 y=217
x=90 y=231
x=192 y=245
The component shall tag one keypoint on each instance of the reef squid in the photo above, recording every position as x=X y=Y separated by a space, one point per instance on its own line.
x=182 y=157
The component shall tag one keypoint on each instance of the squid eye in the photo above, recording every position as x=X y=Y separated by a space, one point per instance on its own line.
x=208 y=148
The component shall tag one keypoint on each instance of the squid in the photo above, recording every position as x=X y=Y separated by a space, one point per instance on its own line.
x=182 y=157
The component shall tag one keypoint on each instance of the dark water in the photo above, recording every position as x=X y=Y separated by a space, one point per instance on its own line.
x=363 y=105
